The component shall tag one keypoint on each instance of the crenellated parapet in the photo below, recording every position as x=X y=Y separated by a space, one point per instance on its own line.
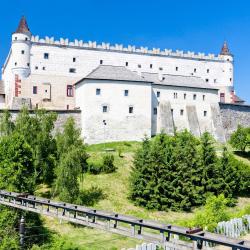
x=132 y=49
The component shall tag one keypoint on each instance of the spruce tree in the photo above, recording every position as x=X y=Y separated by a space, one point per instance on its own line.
x=209 y=162
x=185 y=168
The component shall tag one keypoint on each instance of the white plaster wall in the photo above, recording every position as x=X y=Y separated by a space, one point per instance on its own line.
x=179 y=103
x=61 y=59
x=120 y=125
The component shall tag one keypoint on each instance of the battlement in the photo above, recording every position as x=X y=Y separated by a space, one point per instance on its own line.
x=129 y=48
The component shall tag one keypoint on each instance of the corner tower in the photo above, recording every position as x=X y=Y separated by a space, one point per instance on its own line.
x=21 y=44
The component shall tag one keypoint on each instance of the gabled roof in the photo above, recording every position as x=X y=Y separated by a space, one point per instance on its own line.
x=23 y=26
x=178 y=80
x=237 y=99
x=118 y=73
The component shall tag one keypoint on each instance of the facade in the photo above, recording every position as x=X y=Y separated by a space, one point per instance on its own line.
x=118 y=104
x=44 y=70
x=124 y=93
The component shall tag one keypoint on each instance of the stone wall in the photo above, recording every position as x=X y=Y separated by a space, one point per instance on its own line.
x=233 y=115
x=62 y=116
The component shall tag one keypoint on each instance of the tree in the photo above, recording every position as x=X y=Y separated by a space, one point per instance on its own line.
x=209 y=162
x=72 y=161
x=187 y=173
x=37 y=131
x=16 y=164
x=240 y=139
x=229 y=175
x=6 y=124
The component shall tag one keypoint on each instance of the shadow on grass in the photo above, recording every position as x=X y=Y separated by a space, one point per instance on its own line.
x=91 y=196
x=243 y=154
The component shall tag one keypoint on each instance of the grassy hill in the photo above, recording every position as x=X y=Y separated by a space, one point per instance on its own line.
x=110 y=192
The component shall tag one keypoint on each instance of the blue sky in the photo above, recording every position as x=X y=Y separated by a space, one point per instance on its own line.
x=199 y=26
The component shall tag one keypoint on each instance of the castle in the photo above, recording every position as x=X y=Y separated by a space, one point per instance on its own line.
x=123 y=93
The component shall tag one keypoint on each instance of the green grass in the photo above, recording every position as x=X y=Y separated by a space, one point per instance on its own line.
x=115 y=191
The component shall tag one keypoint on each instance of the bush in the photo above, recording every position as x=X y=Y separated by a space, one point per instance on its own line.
x=95 y=168
x=108 y=164
x=90 y=196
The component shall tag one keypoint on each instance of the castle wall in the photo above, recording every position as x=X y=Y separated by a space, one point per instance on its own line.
x=233 y=115
x=117 y=124
x=62 y=116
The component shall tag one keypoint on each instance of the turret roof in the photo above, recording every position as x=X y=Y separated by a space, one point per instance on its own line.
x=23 y=26
x=225 y=49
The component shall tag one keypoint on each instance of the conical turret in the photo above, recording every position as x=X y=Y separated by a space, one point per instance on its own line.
x=225 y=50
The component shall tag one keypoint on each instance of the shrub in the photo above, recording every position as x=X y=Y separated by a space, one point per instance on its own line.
x=108 y=164
x=95 y=168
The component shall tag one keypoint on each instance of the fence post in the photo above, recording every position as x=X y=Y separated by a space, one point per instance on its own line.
x=22 y=232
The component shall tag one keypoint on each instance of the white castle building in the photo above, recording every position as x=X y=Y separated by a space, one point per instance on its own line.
x=123 y=92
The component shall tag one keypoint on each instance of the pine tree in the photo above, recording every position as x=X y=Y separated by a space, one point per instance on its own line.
x=141 y=174
x=185 y=166
x=209 y=163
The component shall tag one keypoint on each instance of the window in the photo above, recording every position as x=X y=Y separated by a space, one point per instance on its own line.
x=207 y=80
x=230 y=79
x=36 y=67
x=203 y=97
x=160 y=68
x=98 y=91
x=15 y=63
x=222 y=97
x=72 y=70
x=151 y=66
x=185 y=95
x=26 y=38
x=155 y=111
x=67 y=106
x=194 y=70
x=101 y=61
x=46 y=55
x=194 y=97
x=70 y=90
x=131 y=110
x=28 y=64
x=207 y=70
x=176 y=68
x=104 y=108
x=158 y=93
x=22 y=52
x=126 y=63
x=181 y=112
x=125 y=92
x=215 y=80
x=205 y=113
x=44 y=68
x=172 y=111
x=139 y=65
x=74 y=59
x=175 y=95
x=34 y=90
x=15 y=38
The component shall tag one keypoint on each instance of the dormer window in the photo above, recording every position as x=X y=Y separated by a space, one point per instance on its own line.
x=46 y=55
